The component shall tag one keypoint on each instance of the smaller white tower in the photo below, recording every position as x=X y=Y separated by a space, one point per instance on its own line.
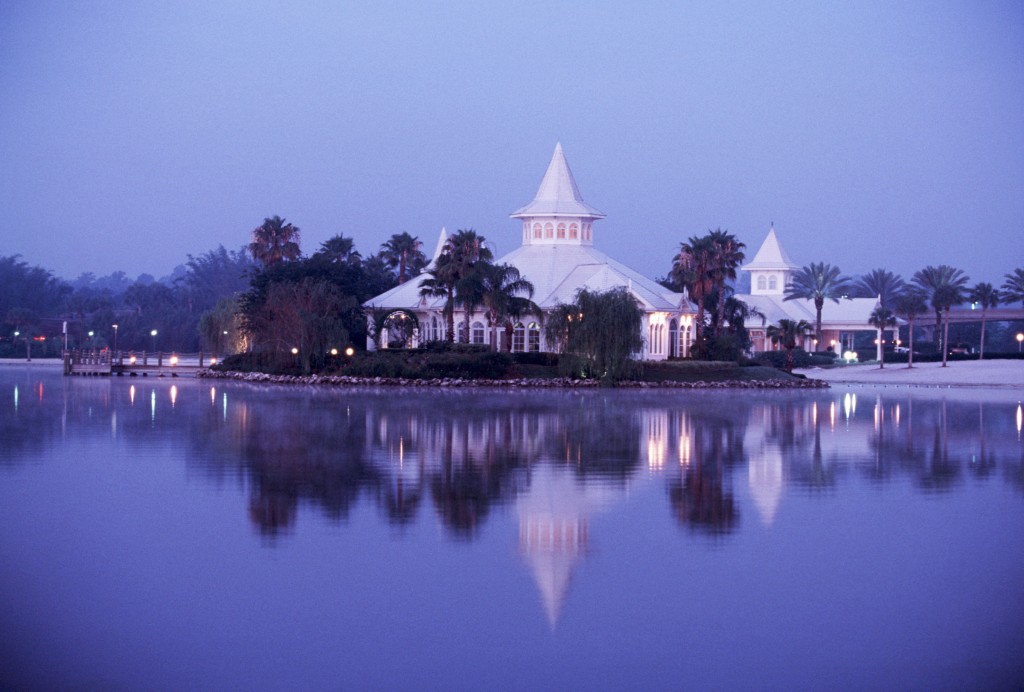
x=771 y=268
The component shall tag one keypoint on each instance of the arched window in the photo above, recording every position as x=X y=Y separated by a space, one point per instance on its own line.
x=478 y=332
x=519 y=338
x=561 y=231
x=773 y=283
x=534 y=337
x=536 y=230
x=549 y=231
x=673 y=339
x=574 y=232
x=435 y=331
x=762 y=283
x=586 y=232
x=461 y=332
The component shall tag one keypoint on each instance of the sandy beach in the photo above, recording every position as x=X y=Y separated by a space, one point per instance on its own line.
x=974 y=373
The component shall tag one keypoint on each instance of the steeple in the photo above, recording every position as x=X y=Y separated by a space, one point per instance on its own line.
x=557 y=214
x=771 y=267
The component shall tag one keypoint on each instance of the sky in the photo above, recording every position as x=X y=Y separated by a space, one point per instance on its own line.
x=871 y=134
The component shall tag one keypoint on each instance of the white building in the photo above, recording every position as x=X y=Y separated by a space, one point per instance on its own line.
x=771 y=271
x=557 y=255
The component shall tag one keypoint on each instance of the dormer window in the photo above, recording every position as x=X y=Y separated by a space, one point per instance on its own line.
x=762 y=283
x=773 y=283
x=574 y=232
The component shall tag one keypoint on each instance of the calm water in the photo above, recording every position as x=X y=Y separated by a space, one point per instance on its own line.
x=182 y=534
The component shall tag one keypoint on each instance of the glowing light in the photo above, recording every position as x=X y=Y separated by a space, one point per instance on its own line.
x=350 y=351
x=174 y=360
x=334 y=351
x=1020 y=419
x=213 y=361
x=684 y=450
x=174 y=395
x=213 y=396
x=295 y=351
x=16 y=402
x=131 y=361
x=896 y=415
x=152 y=405
x=131 y=393
x=832 y=415
x=850 y=356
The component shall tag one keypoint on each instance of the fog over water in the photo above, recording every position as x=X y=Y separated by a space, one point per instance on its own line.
x=172 y=533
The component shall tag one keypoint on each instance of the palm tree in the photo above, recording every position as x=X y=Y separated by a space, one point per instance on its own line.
x=275 y=240
x=459 y=256
x=933 y=280
x=788 y=333
x=340 y=250
x=467 y=249
x=909 y=304
x=502 y=296
x=691 y=270
x=404 y=252
x=944 y=298
x=727 y=256
x=986 y=296
x=1013 y=287
x=818 y=282
x=881 y=284
x=882 y=319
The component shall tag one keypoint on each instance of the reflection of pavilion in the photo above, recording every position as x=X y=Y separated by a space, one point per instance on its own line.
x=553 y=528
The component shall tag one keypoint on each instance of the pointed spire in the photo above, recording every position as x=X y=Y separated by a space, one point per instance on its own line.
x=771 y=255
x=558 y=194
x=441 y=240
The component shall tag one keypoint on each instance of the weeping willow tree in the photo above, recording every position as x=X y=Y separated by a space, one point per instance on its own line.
x=599 y=332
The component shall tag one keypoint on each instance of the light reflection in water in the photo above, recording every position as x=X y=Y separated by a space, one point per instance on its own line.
x=131 y=395
x=1020 y=420
x=152 y=404
x=16 y=402
x=174 y=395
x=213 y=396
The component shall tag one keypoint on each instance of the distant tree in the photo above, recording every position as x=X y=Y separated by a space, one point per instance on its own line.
x=882 y=319
x=881 y=284
x=275 y=240
x=940 y=285
x=818 y=282
x=214 y=276
x=220 y=328
x=1013 y=287
x=986 y=296
x=339 y=250
x=910 y=303
x=404 y=253
x=788 y=334
x=600 y=330
x=30 y=288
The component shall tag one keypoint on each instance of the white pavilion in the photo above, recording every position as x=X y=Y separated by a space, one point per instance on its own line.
x=770 y=272
x=557 y=255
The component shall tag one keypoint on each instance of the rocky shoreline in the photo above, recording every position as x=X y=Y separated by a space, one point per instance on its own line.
x=533 y=383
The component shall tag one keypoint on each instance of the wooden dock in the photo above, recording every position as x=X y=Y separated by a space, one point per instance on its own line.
x=131 y=364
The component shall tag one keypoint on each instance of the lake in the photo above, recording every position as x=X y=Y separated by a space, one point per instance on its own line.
x=178 y=534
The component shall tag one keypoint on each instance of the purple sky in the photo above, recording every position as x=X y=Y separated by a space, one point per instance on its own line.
x=873 y=134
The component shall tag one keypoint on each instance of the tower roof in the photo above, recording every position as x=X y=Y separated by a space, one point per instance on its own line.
x=558 y=194
x=771 y=255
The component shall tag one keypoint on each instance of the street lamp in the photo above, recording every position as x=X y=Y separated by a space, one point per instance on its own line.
x=1020 y=340
x=153 y=334
x=91 y=334
x=115 y=337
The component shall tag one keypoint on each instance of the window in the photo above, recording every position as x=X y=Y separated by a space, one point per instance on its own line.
x=478 y=333
x=534 y=335
x=536 y=230
x=773 y=283
x=762 y=283
x=461 y=331
x=435 y=331
x=574 y=232
x=519 y=338
x=673 y=339
x=549 y=231
x=561 y=231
